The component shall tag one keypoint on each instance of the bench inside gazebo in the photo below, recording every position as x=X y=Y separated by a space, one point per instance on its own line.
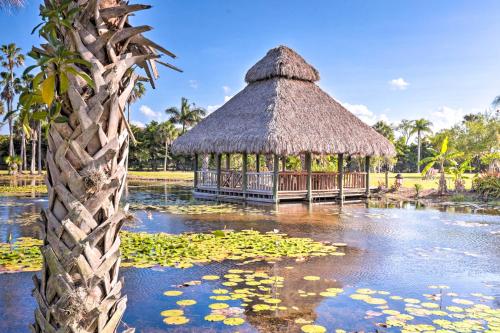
x=281 y=112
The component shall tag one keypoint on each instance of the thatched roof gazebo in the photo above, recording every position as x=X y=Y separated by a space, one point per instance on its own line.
x=282 y=112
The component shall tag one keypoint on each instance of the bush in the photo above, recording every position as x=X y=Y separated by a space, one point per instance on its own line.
x=487 y=185
x=418 y=189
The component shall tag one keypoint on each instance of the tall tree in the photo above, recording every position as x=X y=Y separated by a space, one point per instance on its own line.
x=10 y=58
x=385 y=129
x=405 y=127
x=188 y=115
x=167 y=133
x=136 y=94
x=85 y=82
x=420 y=127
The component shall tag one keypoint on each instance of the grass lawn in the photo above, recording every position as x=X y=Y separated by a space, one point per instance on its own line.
x=410 y=179
x=167 y=175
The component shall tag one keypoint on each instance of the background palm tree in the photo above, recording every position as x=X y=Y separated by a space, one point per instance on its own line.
x=10 y=59
x=420 y=126
x=405 y=127
x=136 y=94
x=167 y=133
x=496 y=101
x=187 y=116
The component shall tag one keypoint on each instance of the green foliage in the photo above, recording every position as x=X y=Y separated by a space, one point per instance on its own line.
x=418 y=189
x=488 y=186
x=385 y=129
x=188 y=115
x=181 y=251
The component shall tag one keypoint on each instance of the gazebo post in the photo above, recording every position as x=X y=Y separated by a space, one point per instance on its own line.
x=228 y=162
x=244 y=174
x=276 y=175
x=341 y=178
x=195 y=170
x=367 y=170
x=283 y=163
x=309 y=176
x=257 y=169
x=219 y=173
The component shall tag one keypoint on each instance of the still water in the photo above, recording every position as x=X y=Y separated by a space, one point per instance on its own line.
x=393 y=252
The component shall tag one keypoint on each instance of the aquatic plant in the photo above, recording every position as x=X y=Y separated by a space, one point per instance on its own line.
x=144 y=250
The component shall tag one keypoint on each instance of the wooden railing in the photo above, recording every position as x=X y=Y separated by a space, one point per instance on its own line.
x=321 y=181
x=292 y=181
x=207 y=178
x=355 y=180
x=288 y=181
x=231 y=179
x=260 y=181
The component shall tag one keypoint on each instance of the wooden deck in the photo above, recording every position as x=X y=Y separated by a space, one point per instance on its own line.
x=292 y=186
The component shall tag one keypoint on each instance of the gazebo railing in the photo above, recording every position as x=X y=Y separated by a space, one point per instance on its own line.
x=207 y=178
x=321 y=181
x=231 y=179
x=260 y=181
x=355 y=180
x=287 y=182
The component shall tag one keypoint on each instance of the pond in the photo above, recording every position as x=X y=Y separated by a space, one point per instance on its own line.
x=425 y=268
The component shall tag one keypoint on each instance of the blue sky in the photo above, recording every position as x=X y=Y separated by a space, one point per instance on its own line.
x=382 y=59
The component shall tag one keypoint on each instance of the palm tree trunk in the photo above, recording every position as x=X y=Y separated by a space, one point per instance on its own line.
x=166 y=156
x=442 y=180
x=33 y=157
x=39 y=144
x=418 y=152
x=79 y=289
x=11 y=134
x=23 y=150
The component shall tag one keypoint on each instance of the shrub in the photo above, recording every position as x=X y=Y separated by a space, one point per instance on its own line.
x=418 y=189
x=487 y=185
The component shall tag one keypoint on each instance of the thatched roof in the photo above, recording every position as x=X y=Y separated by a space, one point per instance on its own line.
x=282 y=111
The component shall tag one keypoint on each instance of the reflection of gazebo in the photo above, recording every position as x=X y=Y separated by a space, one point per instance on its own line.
x=281 y=112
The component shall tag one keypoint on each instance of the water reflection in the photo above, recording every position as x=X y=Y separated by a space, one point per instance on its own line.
x=395 y=247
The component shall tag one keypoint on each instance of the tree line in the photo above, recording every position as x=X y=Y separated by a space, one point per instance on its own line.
x=476 y=136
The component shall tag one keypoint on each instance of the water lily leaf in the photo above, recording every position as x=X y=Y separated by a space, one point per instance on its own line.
x=218 y=306
x=234 y=321
x=311 y=278
x=215 y=317
x=172 y=313
x=179 y=320
x=313 y=329
x=186 y=302
x=173 y=293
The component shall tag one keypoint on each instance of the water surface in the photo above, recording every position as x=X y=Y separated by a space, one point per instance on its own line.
x=401 y=251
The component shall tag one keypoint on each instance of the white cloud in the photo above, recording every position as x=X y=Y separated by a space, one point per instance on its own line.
x=148 y=112
x=226 y=89
x=212 y=108
x=365 y=114
x=446 y=117
x=138 y=123
x=398 y=84
x=193 y=84
x=362 y=112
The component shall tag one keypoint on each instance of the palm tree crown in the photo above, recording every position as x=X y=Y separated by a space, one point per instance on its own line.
x=187 y=116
